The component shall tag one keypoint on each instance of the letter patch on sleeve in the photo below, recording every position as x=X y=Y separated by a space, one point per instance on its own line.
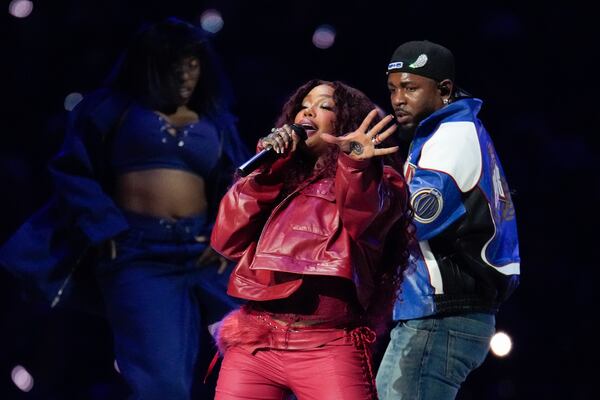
x=427 y=204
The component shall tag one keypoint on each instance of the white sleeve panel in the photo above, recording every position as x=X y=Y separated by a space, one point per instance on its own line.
x=454 y=149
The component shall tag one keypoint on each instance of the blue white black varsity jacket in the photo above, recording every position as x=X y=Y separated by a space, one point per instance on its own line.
x=467 y=258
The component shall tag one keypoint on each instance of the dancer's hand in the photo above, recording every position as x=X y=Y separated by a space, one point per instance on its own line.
x=209 y=256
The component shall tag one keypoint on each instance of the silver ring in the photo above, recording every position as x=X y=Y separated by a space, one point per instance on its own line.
x=375 y=140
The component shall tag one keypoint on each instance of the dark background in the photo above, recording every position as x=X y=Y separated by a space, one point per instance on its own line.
x=531 y=64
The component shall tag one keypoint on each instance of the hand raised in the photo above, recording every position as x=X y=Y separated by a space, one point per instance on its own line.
x=362 y=143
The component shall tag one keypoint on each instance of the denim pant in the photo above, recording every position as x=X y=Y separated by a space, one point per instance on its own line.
x=158 y=302
x=429 y=358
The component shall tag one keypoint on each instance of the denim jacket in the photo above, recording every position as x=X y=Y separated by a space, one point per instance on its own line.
x=47 y=249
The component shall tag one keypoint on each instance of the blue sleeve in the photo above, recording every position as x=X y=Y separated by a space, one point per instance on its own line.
x=436 y=201
x=76 y=176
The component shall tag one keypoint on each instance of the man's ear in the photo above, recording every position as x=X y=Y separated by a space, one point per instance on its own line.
x=445 y=87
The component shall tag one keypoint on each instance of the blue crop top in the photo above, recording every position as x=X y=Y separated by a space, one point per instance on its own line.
x=143 y=142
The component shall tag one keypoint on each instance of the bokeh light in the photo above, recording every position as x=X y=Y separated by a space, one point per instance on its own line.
x=501 y=344
x=211 y=21
x=72 y=100
x=324 y=37
x=20 y=8
x=22 y=378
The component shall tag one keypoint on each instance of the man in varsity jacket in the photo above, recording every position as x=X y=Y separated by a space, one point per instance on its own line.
x=466 y=263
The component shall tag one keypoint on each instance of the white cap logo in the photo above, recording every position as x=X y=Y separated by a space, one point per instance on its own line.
x=420 y=62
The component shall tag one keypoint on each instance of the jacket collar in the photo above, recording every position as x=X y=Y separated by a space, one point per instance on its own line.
x=459 y=110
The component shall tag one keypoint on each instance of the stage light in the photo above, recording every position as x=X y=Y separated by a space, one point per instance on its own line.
x=324 y=37
x=22 y=378
x=20 y=8
x=211 y=21
x=72 y=100
x=500 y=344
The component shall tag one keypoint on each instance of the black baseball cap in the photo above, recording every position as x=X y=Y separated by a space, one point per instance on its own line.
x=425 y=58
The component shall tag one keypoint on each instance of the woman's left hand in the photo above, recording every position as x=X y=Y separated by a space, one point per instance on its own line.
x=210 y=256
x=362 y=143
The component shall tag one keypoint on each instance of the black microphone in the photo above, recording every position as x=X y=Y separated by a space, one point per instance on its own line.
x=267 y=154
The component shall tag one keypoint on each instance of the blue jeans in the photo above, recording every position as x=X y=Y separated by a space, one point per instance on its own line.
x=158 y=303
x=429 y=358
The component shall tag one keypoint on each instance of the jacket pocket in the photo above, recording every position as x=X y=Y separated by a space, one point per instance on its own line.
x=313 y=211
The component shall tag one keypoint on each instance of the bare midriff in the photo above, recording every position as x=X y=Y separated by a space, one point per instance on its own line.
x=163 y=192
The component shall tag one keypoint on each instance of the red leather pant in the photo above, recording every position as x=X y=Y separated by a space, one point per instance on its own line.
x=338 y=370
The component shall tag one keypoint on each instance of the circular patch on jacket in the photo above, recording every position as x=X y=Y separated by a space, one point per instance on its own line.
x=427 y=204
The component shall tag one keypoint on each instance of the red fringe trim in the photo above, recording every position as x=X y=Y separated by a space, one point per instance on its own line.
x=239 y=328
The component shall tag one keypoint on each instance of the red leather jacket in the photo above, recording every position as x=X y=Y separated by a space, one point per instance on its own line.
x=328 y=226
